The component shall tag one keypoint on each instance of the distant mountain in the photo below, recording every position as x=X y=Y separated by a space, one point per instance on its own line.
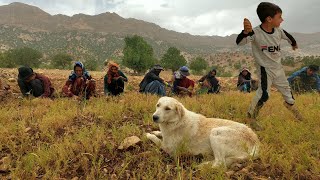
x=102 y=35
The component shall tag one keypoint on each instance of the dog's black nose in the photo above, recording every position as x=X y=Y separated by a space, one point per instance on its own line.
x=155 y=118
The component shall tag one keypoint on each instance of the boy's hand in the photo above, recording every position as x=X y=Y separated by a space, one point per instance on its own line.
x=295 y=47
x=247 y=26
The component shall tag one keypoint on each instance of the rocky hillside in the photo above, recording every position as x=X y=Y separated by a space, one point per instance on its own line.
x=102 y=36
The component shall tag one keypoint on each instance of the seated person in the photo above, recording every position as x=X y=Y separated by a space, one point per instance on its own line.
x=152 y=83
x=31 y=83
x=305 y=79
x=244 y=80
x=114 y=80
x=210 y=83
x=181 y=84
x=80 y=83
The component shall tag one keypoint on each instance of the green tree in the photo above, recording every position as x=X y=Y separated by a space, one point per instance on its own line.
x=6 y=61
x=138 y=54
x=91 y=64
x=61 y=61
x=23 y=56
x=28 y=56
x=288 y=61
x=198 y=65
x=308 y=60
x=172 y=59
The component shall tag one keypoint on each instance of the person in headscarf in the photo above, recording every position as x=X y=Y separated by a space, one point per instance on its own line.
x=31 y=83
x=210 y=82
x=80 y=84
x=152 y=83
x=244 y=80
x=114 y=80
x=182 y=85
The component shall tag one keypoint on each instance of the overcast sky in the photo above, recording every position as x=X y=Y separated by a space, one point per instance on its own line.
x=197 y=17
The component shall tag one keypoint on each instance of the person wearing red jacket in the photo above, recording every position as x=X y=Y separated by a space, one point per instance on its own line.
x=181 y=84
x=80 y=83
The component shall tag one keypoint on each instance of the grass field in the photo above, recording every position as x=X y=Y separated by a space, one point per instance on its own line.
x=64 y=139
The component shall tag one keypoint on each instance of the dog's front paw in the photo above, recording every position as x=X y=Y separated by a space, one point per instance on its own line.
x=157 y=133
x=154 y=138
x=150 y=136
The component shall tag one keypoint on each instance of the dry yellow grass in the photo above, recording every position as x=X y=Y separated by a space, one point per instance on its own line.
x=57 y=139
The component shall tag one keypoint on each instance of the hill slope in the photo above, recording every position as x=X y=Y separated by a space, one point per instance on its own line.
x=101 y=36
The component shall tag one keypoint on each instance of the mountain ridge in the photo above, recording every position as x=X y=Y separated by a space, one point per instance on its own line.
x=29 y=25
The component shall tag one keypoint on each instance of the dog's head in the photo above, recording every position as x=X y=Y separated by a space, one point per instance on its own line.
x=168 y=110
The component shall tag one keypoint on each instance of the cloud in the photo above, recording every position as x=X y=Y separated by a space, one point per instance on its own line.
x=203 y=17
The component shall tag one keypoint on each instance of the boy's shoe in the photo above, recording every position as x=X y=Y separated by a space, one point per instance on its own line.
x=254 y=123
x=256 y=126
x=294 y=111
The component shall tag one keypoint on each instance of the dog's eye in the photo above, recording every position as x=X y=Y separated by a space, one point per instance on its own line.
x=167 y=108
x=158 y=105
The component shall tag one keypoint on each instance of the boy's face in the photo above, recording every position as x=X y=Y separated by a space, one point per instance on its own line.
x=276 y=20
x=310 y=72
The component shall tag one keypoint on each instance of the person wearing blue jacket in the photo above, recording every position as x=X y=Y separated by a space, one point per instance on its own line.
x=305 y=79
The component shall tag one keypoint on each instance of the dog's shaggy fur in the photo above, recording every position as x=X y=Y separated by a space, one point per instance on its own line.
x=225 y=140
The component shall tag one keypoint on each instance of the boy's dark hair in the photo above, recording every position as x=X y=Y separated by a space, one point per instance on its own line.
x=266 y=9
x=314 y=68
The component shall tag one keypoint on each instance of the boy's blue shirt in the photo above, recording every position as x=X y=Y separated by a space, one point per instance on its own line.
x=303 y=72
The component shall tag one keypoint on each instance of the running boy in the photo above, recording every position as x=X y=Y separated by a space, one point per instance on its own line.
x=265 y=41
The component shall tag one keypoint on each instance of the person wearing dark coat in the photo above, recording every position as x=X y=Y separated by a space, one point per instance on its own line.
x=152 y=83
x=210 y=82
x=31 y=83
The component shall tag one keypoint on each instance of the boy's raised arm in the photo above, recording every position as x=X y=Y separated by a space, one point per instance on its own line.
x=243 y=36
x=247 y=26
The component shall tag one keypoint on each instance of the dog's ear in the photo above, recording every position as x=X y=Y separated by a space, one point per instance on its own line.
x=180 y=109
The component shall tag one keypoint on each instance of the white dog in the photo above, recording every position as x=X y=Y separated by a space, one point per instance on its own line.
x=225 y=140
